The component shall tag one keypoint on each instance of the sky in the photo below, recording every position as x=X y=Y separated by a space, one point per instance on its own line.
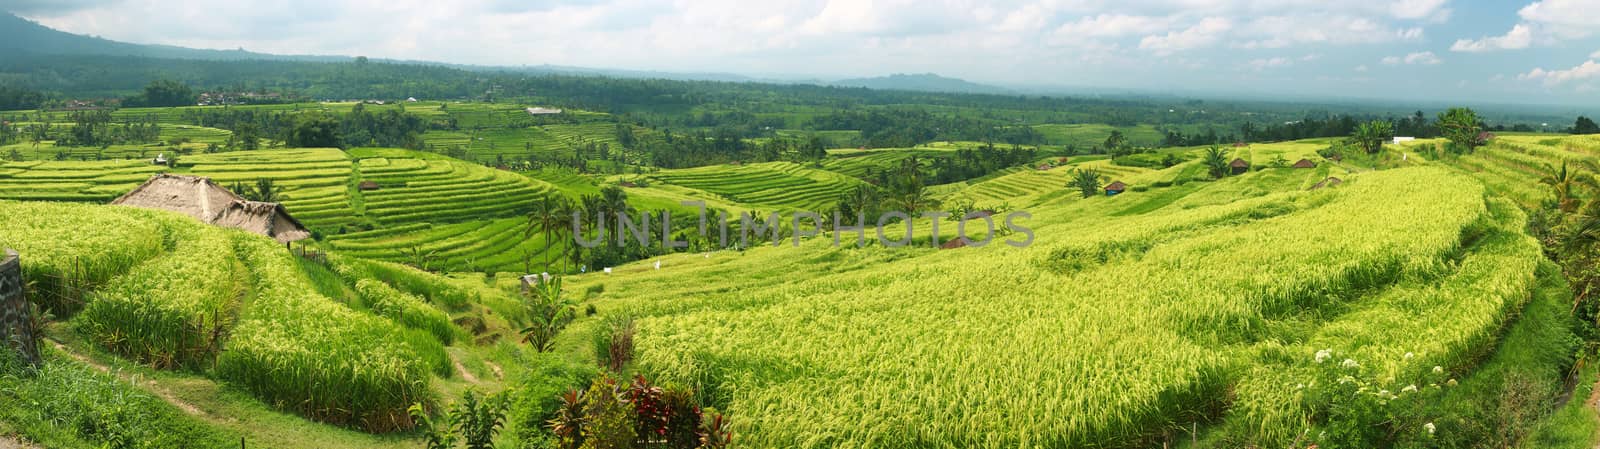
x=1514 y=51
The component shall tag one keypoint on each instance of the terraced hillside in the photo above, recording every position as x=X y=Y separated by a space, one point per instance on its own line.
x=159 y=289
x=780 y=185
x=315 y=182
x=73 y=181
x=1107 y=311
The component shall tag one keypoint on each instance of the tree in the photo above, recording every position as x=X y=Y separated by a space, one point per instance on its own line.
x=1460 y=126
x=1087 y=182
x=1216 y=161
x=314 y=131
x=264 y=190
x=164 y=93
x=1585 y=126
x=551 y=215
x=1115 y=141
x=1371 y=135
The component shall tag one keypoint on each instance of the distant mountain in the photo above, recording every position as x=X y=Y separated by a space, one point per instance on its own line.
x=22 y=35
x=926 y=82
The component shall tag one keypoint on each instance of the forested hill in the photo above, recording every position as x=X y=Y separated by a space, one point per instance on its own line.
x=19 y=35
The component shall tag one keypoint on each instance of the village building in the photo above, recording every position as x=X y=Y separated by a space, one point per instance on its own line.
x=210 y=203
x=1305 y=163
x=1239 y=166
x=1115 y=187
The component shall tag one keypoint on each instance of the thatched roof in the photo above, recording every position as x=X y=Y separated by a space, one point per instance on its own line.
x=190 y=195
x=1330 y=182
x=1239 y=163
x=1305 y=163
x=368 y=185
x=210 y=203
x=1117 y=186
x=269 y=219
x=959 y=242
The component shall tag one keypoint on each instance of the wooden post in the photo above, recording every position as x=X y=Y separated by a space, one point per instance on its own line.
x=16 y=325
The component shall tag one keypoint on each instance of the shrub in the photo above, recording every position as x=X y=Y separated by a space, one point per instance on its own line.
x=613 y=343
x=536 y=400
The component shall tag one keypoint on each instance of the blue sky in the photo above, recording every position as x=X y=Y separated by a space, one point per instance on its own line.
x=1520 y=51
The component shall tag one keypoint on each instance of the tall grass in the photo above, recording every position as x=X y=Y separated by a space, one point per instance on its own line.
x=170 y=311
x=303 y=352
x=406 y=309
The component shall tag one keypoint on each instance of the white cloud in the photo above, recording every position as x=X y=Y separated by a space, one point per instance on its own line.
x=1361 y=68
x=1595 y=55
x=1115 y=25
x=1202 y=34
x=1544 y=22
x=1589 y=69
x=1518 y=38
x=1267 y=63
x=1311 y=57
x=1418 y=58
x=1420 y=9
x=1565 y=19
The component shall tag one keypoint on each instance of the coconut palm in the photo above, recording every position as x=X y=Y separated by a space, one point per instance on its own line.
x=1087 y=181
x=549 y=217
x=1216 y=160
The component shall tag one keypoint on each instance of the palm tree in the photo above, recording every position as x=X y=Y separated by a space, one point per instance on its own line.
x=1563 y=181
x=548 y=313
x=1370 y=135
x=1216 y=161
x=549 y=217
x=1087 y=181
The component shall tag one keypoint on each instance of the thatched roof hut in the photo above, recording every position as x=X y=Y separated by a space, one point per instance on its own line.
x=1330 y=182
x=1305 y=163
x=1115 y=188
x=1239 y=166
x=210 y=203
x=269 y=219
x=958 y=242
x=189 y=195
x=368 y=186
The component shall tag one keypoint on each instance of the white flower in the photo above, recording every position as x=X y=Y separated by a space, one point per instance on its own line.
x=1300 y=387
x=1350 y=364
x=1409 y=356
x=1409 y=389
x=1438 y=369
x=1428 y=426
x=1323 y=355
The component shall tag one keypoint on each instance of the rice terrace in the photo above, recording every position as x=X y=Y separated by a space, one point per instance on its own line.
x=1156 y=225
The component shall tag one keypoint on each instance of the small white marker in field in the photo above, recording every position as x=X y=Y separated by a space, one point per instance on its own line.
x=608 y=270
x=658 y=265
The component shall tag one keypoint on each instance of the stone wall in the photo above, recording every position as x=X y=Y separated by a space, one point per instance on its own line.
x=16 y=327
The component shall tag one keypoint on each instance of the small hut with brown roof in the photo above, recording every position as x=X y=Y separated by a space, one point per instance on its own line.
x=1305 y=163
x=368 y=186
x=210 y=203
x=1115 y=187
x=1330 y=182
x=1239 y=166
x=268 y=219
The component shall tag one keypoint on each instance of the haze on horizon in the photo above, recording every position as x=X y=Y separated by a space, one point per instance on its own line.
x=1512 y=51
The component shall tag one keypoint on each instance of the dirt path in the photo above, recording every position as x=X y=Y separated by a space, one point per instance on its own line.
x=14 y=443
x=149 y=386
x=465 y=375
